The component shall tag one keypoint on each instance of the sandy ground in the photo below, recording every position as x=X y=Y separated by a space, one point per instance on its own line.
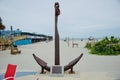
x=90 y=67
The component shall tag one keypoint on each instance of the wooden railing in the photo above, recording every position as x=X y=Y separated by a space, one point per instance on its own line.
x=17 y=38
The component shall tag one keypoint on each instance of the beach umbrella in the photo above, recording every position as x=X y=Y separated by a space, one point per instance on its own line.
x=2 y=27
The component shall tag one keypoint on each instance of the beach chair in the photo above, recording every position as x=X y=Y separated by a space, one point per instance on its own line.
x=10 y=72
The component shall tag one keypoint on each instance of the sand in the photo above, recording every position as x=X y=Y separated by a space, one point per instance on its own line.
x=90 y=67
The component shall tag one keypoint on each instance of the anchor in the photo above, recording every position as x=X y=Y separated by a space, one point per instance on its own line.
x=43 y=64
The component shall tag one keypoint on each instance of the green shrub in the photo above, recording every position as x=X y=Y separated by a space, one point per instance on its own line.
x=88 y=46
x=107 y=46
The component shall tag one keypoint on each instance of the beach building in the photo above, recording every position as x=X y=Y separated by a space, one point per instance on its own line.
x=23 y=38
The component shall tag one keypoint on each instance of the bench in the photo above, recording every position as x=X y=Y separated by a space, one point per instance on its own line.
x=15 y=50
x=75 y=44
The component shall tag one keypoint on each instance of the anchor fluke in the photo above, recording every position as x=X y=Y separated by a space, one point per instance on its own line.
x=42 y=63
x=72 y=63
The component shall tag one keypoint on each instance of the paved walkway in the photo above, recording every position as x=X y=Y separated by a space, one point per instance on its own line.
x=81 y=76
x=90 y=67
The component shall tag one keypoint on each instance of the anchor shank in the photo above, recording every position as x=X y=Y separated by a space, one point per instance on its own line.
x=57 y=56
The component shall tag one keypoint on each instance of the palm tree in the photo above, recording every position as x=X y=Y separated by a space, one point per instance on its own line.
x=2 y=27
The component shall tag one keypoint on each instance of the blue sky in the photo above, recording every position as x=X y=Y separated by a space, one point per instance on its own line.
x=78 y=18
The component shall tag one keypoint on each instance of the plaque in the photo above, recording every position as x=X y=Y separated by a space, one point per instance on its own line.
x=57 y=71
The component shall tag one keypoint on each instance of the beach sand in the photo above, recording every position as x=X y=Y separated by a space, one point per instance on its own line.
x=90 y=67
